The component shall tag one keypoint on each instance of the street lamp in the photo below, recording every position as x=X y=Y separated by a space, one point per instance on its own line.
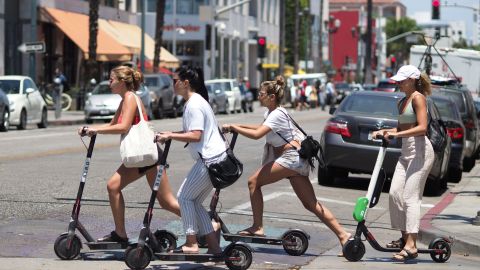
x=333 y=26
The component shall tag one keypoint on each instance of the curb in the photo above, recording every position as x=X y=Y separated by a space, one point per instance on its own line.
x=428 y=232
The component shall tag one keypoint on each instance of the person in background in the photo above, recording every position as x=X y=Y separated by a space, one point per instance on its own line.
x=415 y=162
x=331 y=93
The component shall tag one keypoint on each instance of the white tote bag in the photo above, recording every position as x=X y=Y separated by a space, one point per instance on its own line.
x=137 y=148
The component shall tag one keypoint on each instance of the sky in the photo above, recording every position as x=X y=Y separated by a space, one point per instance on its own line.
x=446 y=13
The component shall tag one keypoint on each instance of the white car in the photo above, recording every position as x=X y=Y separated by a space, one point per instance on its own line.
x=232 y=90
x=26 y=103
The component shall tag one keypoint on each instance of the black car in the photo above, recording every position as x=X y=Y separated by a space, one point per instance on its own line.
x=456 y=130
x=348 y=145
x=218 y=99
x=387 y=85
x=462 y=97
x=164 y=101
x=343 y=89
x=4 y=111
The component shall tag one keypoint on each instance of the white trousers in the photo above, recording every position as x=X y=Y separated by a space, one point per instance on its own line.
x=408 y=183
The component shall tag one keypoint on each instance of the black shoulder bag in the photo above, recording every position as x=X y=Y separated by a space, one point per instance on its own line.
x=228 y=171
x=310 y=149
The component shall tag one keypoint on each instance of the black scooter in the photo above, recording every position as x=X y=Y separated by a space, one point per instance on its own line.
x=439 y=248
x=68 y=245
x=237 y=256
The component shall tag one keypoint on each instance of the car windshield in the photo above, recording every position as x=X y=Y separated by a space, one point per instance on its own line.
x=102 y=89
x=342 y=86
x=151 y=81
x=446 y=109
x=10 y=86
x=220 y=85
x=457 y=98
x=367 y=104
x=209 y=88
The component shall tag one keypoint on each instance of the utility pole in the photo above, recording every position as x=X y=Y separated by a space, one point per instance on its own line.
x=296 y=37
x=33 y=22
x=320 y=38
x=281 y=55
x=142 y=40
x=368 y=45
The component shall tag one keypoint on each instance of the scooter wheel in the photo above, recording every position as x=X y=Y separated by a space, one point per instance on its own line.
x=442 y=250
x=295 y=243
x=62 y=249
x=238 y=258
x=166 y=240
x=353 y=250
x=138 y=258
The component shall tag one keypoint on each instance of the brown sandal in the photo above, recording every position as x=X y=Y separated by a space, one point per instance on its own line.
x=400 y=243
x=405 y=255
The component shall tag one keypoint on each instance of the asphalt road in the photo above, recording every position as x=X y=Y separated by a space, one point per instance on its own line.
x=40 y=171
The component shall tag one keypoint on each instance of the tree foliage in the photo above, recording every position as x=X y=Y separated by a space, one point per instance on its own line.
x=400 y=48
x=290 y=30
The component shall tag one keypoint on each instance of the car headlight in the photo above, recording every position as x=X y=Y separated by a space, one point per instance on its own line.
x=88 y=102
x=153 y=96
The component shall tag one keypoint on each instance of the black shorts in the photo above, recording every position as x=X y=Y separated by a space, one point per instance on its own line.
x=143 y=170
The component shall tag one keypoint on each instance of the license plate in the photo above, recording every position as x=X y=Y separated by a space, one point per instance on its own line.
x=370 y=138
x=104 y=112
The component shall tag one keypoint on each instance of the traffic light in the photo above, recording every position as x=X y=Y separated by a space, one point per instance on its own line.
x=261 y=47
x=435 y=9
x=393 y=62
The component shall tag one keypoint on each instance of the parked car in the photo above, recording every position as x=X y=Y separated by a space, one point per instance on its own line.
x=218 y=99
x=386 y=85
x=369 y=87
x=356 y=87
x=230 y=86
x=26 y=103
x=247 y=98
x=452 y=119
x=101 y=103
x=462 y=97
x=4 y=111
x=349 y=148
x=162 y=95
x=476 y=101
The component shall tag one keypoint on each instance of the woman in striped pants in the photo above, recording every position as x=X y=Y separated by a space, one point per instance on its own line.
x=206 y=146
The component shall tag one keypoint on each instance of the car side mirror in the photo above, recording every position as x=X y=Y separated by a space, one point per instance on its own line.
x=29 y=90
x=332 y=110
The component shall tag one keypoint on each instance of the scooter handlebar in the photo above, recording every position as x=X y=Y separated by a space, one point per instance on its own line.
x=380 y=136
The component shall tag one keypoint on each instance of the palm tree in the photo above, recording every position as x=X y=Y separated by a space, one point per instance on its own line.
x=92 y=39
x=158 y=33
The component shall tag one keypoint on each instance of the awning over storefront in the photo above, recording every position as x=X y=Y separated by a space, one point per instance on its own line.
x=75 y=26
x=130 y=36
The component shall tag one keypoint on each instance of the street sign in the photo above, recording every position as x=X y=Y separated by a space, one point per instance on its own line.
x=32 y=47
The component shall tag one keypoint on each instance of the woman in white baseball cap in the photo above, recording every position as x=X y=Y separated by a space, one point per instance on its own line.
x=415 y=162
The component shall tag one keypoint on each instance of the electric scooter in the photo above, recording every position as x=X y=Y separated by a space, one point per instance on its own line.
x=68 y=245
x=237 y=256
x=354 y=249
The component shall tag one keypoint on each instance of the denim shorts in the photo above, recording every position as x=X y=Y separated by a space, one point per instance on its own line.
x=290 y=159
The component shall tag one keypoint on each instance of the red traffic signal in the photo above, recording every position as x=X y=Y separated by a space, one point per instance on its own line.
x=435 y=9
x=393 y=59
x=261 y=46
x=436 y=3
x=261 y=41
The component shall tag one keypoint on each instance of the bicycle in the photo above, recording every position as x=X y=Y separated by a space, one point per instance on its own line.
x=66 y=100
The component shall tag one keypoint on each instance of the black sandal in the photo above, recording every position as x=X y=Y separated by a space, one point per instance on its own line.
x=113 y=237
x=400 y=243
x=405 y=255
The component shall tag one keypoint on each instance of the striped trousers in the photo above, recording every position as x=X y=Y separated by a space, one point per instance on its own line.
x=408 y=183
x=193 y=191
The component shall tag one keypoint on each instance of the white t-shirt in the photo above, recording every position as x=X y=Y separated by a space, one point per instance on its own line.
x=279 y=122
x=198 y=115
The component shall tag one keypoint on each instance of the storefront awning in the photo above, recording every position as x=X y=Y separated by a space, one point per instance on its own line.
x=130 y=36
x=75 y=26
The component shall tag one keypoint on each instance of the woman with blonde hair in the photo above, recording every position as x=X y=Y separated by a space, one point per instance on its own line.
x=281 y=160
x=124 y=81
x=415 y=162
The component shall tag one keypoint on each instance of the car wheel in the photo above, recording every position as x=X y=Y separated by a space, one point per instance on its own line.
x=89 y=121
x=23 y=120
x=5 y=123
x=215 y=108
x=454 y=175
x=159 y=112
x=468 y=164
x=326 y=176
x=434 y=186
x=44 y=122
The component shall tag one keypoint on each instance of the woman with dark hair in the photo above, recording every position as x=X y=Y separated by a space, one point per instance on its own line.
x=200 y=131
x=281 y=160
x=125 y=81
x=415 y=162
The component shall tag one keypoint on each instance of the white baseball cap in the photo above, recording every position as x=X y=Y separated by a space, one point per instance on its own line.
x=405 y=72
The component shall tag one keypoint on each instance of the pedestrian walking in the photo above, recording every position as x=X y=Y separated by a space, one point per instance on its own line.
x=331 y=93
x=206 y=146
x=415 y=162
x=281 y=160
x=124 y=81
x=313 y=95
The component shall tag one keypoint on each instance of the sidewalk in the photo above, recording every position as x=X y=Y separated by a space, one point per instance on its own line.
x=67 y=118
x=453 y=216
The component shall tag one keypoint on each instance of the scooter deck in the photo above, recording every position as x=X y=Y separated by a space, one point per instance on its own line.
x=106 y=245
x=252 y=239
x=200 y=257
